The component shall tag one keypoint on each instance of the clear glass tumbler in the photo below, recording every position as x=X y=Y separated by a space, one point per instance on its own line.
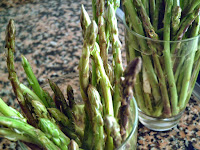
x=165 y=84
x=130 y=142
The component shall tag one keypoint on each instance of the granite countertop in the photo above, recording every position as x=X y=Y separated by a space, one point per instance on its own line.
x=49 y=35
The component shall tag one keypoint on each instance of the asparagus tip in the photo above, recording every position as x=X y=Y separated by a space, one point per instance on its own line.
x=10 y=35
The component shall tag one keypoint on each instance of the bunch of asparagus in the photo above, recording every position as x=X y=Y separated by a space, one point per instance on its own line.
x=170 y=69
x=107 y=87
x=49 y=122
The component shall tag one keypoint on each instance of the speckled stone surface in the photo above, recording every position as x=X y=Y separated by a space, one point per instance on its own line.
x=49 y=35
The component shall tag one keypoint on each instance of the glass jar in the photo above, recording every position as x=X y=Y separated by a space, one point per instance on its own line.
x=165 y=84
x=130 y=142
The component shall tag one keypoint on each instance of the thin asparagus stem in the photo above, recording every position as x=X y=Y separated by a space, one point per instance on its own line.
x=151 y=33
x=137 y=26
x=9 y=112
x=167 y=57
x=13 y=136
x=156 y=14
x=89 y=41
x=10 y=45
x=95 y=117
x=54 y=133
x=118 y=68
x=152 y=6
x=190 y=8
x=33 y=82
x=61 y=119
x=127 y=85
x=189 y=63
x=106 y=90
x=61 y=102
x=176 y=15
x=36 y=134
x=73 y=145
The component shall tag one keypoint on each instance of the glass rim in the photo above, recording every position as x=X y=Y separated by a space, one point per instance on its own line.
x=134 y=126
x=154 y=40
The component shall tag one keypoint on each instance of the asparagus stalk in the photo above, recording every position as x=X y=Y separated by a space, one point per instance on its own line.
x=167 y=57
x=95 y=117
x=70 y=96
x=61 y=102
x=189 y=63
x=176 y=14
x=26 y=90
x=140 y=96
x=13 y=136
x=156 y=14
x=84 y=20
x=40 y=110
x=54 y=133
x=33 y=82
x=152 y=5
x=62 y=120
x=151 y=33
x=190 y=8
x=102 y=34
x=106 y=90
x=89 y=41
x=35 y=134
x=146 y=5
x=137 y=26
x=184 y=25
x=73 y=145
x=9 y=111
x=127 y=83
x=112 y=125
x=104 y=81
x=118 y=68
x=186 y=22
x=10 y=45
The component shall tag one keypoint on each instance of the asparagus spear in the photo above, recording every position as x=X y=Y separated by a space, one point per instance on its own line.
x=156 y=14
x=167 y=57
x=189 y=63
x=10 y=45
x=35 y=134
x=127 y=83
x=95 y=116
x=40 y=110
x=9 y=111
x=54 y=133
x=151 y=33
x=106 y=90
x=186 y=22
x=118 y=68
x=176 y=14
x=89 y=41
x=190 y=8
x=102 y=34
x=112 y=125
x=70 y=96
x=84 y=20
x=13 y=136
x=137 y=26
x=62 y=120
x=33 y=82
x=61 y=102
x=73 y=145
x=152 y=5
